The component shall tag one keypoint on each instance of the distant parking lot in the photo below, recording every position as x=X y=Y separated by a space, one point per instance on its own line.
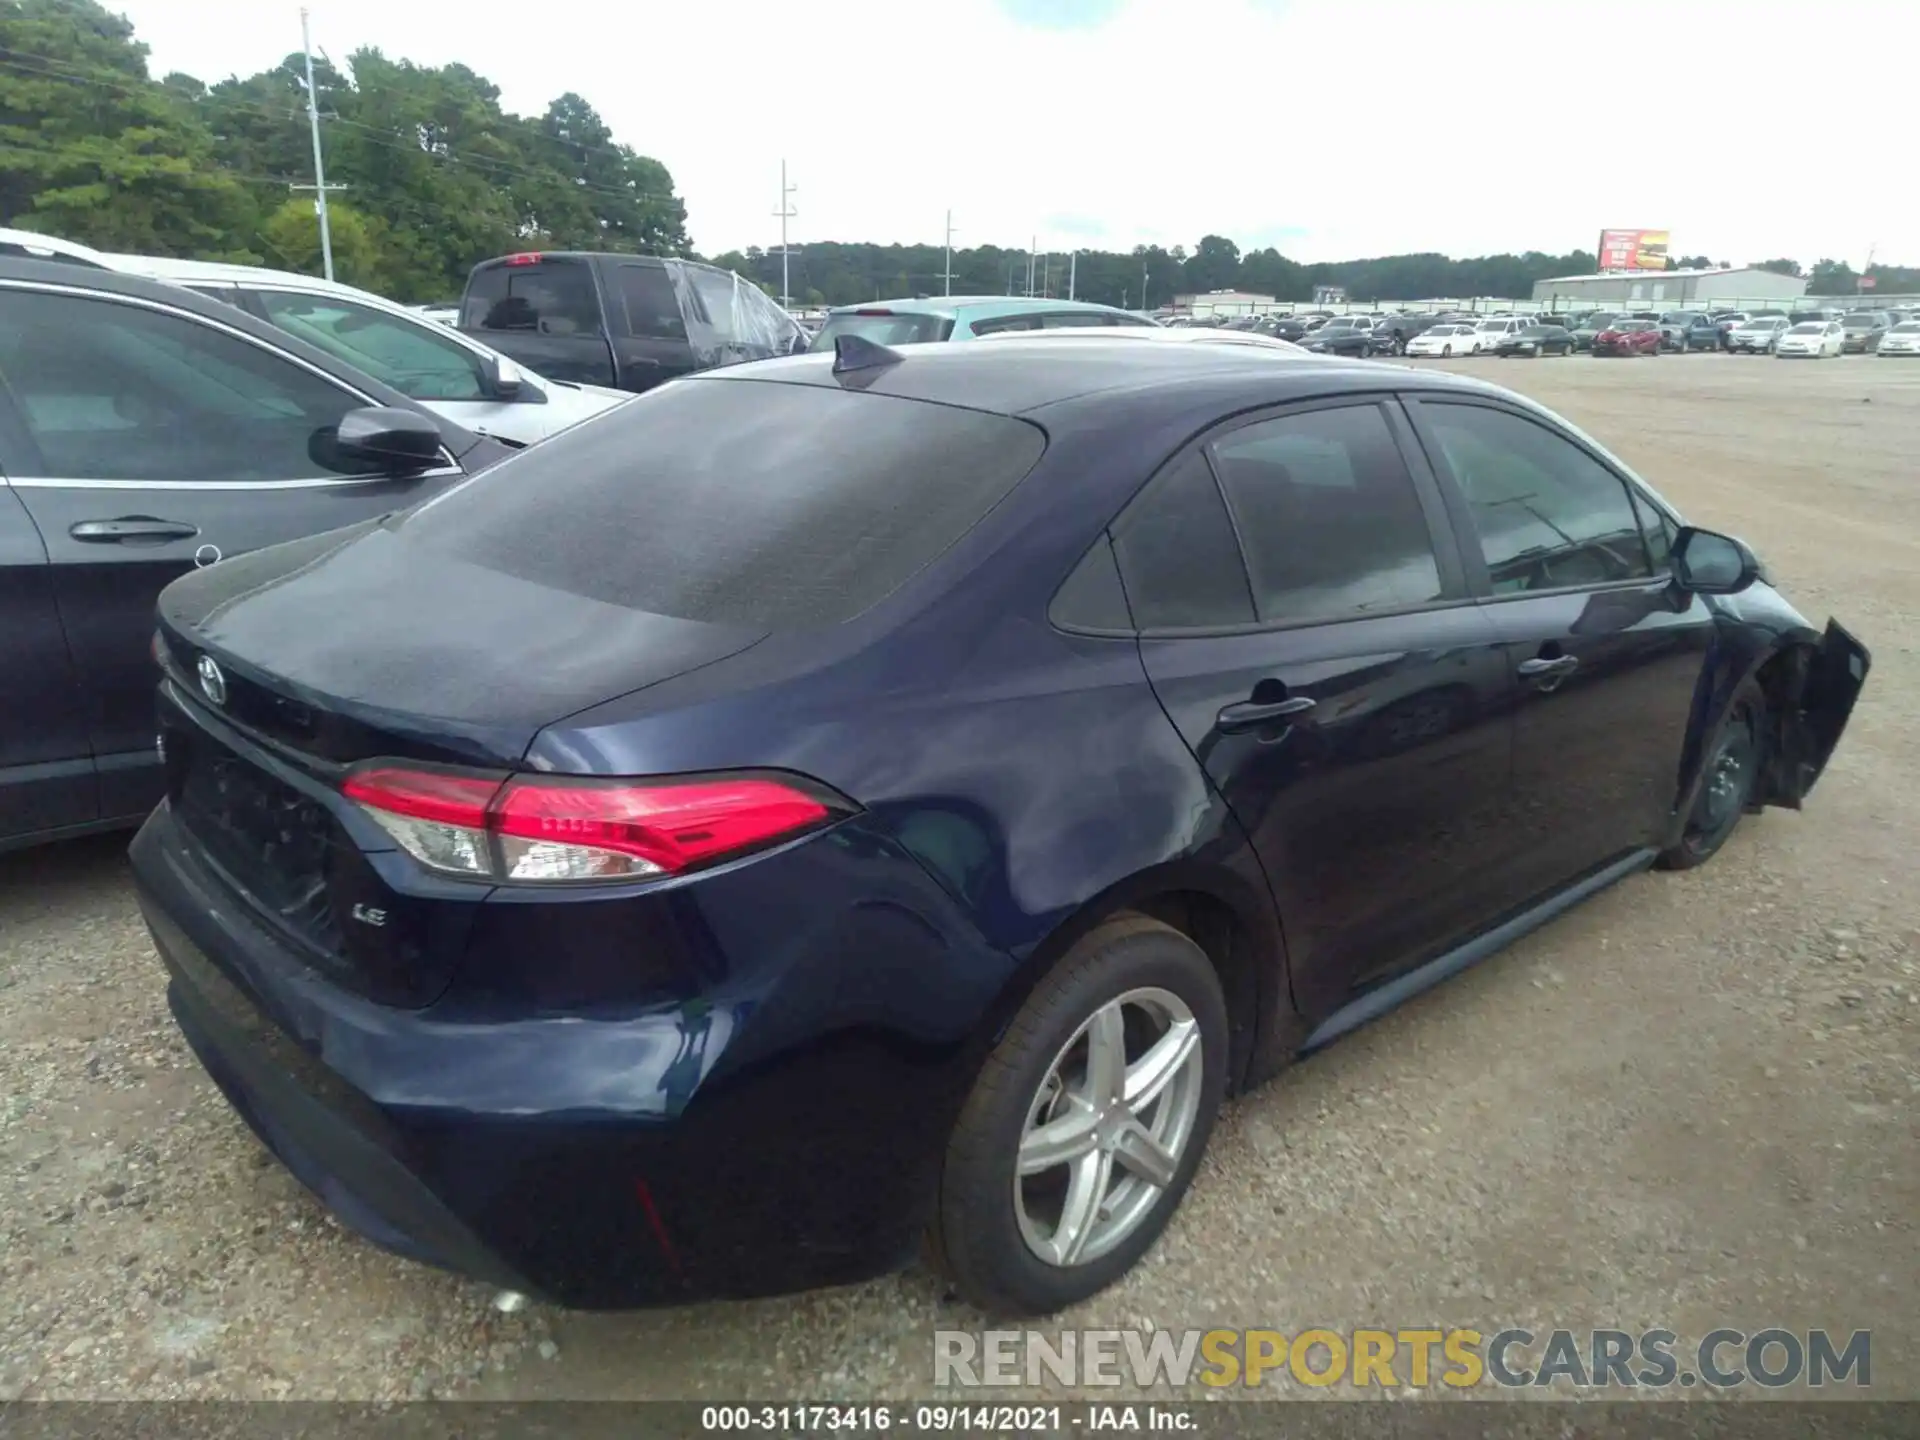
x=1687 y=1104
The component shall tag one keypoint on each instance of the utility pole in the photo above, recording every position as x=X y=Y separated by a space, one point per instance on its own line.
x=1073 y=272
x=948 y=290
x=1033 y=247
x=319 y=166
x=1046 y=276
x=1143 y=286
x=786 y=212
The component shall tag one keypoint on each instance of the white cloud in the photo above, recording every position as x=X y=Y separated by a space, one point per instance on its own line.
x=1332 y=128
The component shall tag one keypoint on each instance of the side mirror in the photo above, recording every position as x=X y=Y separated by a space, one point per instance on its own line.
x=1706 y=563
x=388 y=439
x=506 y=378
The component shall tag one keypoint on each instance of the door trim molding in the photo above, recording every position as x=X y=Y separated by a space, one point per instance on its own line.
x=323 y=482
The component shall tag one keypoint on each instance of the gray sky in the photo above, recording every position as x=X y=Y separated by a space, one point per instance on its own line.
x=1333 y=129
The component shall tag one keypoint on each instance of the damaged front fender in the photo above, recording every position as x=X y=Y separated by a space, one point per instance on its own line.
x=1811 y=690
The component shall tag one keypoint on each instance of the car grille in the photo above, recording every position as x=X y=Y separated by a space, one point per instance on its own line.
x=272 y=844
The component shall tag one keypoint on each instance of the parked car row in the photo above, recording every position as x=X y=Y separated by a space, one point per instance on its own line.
x=1449 y=334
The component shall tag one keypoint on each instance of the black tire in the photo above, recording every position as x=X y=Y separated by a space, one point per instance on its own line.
x=976 y=1236
x=1446 y=352
x=1716 y=812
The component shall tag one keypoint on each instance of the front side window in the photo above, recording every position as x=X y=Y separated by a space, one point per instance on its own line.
x=1548 y=515
x=742 y=318
x=112 y=391
x=416 y=359
x=1328 y=515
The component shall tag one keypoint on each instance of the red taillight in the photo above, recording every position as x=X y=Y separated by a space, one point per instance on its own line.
x=540 y=828
x=670 y=826
x=529 y=257
x=439 y=796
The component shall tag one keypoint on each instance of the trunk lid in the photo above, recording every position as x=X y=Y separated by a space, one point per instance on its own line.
x=352 y=645
x=355 y=644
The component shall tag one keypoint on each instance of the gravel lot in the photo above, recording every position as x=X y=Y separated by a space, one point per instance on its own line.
x=1690 y=1103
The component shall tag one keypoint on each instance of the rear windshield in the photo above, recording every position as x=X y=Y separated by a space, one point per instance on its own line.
x=548 y=297
x=1811 y=327
x=883 y=327
x=1907 y=327
x=776 y=506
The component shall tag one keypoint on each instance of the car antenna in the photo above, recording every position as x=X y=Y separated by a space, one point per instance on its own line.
x=850 y=352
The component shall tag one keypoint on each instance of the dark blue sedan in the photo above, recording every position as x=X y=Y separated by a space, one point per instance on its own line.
x=847 y=799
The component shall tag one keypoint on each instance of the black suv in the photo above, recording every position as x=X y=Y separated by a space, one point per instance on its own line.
x=626 y=321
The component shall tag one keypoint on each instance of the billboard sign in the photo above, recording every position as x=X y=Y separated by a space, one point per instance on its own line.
x=1633 y=250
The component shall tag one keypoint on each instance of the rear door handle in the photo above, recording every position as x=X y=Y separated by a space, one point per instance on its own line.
x=1249 y=713
x=134 y=528
x=1560 y=665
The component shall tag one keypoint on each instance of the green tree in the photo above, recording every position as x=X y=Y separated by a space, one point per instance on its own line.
x=1831 y=277
x=1781 y=267
x=1215 y=265
x=290 y=239
x=91 y=148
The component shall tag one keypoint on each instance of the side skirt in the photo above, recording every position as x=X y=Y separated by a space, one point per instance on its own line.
x=1375 y=1003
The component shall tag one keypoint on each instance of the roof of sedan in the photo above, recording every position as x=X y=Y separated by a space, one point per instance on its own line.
x=1016 y=376
x=948 y=304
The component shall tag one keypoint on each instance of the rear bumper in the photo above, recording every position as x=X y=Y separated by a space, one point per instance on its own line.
x=739 y=1144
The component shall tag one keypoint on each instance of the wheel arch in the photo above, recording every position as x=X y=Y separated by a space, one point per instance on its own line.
x=1780 y=669
x=1229 y=915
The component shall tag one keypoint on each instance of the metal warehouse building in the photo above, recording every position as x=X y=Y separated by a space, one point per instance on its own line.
x=1672 y=289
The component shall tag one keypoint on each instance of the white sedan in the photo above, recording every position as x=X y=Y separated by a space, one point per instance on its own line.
x=1815 y=338
x=1902 y=339
x=1447 y=340
x=448 y=372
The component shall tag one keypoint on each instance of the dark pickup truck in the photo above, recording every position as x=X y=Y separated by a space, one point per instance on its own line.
x=624 y=321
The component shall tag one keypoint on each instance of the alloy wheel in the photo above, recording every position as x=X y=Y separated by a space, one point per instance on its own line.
x=1106 y=1130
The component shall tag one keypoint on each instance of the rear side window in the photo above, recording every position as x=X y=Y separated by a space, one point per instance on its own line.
x=546 y=297
x=648 y=303
x=1178 y=558
x=996 y=324
x=883 y=327
x=738 y=502
x=1328 y=515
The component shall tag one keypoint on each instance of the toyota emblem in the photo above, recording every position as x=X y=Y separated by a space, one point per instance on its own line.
x=212 y=683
